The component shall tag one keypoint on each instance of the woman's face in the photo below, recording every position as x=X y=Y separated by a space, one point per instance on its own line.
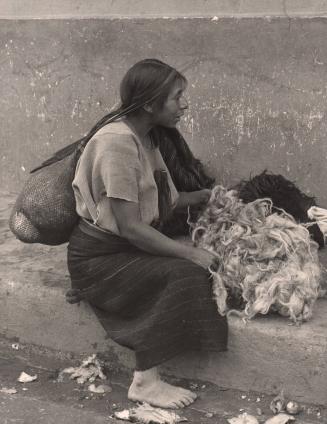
x=170 y=113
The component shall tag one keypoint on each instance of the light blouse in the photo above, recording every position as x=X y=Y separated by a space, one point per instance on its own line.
x=115 y=164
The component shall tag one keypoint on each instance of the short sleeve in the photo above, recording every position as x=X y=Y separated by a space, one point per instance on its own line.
x=118 y=166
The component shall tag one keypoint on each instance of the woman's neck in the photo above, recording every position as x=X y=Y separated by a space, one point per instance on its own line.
x=140 y=125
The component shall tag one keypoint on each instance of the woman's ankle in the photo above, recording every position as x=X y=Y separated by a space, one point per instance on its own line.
x=146 y=377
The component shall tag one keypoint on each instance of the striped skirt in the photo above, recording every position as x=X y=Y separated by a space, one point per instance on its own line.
x=157 y=306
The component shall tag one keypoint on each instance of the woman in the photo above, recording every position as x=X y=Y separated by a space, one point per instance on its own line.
x=151 y=293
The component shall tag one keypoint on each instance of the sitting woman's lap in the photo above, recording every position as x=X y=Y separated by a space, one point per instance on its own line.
x=157 y=306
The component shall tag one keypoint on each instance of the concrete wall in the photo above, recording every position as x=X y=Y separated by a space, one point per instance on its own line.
x=257 y=86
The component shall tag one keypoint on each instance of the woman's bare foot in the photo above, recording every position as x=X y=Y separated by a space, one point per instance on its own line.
x=148 y=387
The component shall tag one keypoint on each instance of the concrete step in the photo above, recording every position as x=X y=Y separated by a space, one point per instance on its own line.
x=265 y=355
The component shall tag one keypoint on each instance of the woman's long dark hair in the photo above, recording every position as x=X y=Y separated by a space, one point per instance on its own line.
x=149 y=80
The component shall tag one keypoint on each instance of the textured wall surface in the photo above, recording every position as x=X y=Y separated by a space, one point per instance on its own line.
x=257 y=90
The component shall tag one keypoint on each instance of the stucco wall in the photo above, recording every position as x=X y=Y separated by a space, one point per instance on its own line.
x=257 y=89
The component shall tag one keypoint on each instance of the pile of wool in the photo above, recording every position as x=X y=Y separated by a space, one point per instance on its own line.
x=268 y=262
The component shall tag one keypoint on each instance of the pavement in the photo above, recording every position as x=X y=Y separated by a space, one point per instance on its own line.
x=50 y=400
x=264 y=356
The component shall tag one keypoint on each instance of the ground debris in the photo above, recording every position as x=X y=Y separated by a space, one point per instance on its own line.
x=26 y=378
x=101 y=389
x=209 y=414
x=147 y=414
x=293 y=407
x=90 y=369
x=278 y=404
x=243 y=419
x=8 y=391
x=313 y=410
x=280 y=419
x=194 y=386
x=123 y=415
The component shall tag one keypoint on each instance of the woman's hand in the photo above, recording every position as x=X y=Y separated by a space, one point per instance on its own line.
x=200 y=196
x=204 y=258
x=193 y=198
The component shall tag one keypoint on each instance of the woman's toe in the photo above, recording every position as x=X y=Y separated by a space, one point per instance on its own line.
x=192 y=395
x=176 y=405
x=188 y=393
x=187 y=401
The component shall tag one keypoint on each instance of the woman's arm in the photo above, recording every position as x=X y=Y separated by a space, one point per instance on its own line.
x=152 y=241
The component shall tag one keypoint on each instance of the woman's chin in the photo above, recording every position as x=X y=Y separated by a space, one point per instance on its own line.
x=169 y=124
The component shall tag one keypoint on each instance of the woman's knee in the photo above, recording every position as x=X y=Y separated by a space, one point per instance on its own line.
x=183 y=268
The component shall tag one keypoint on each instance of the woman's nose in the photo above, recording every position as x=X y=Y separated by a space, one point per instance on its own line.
x=183 y=103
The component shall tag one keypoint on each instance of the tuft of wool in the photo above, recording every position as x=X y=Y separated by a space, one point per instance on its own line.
x=268 y=262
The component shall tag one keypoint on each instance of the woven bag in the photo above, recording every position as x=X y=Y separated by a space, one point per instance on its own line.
x=44 y=211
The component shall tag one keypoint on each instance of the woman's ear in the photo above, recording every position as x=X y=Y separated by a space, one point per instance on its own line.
x=148 y=108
